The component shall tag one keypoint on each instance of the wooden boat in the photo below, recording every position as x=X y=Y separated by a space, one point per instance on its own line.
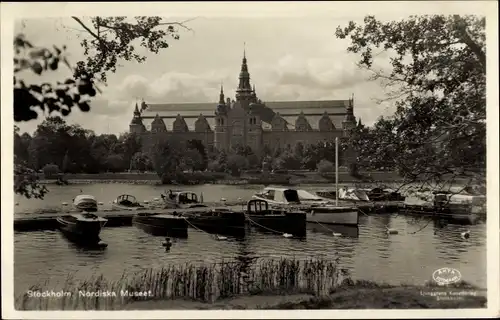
x=161 y=224
x=265 y=218
x=182 y=199
x=216 y=220
x=318 y=210
x=82 y=228
x=126 y=202
x=87 y=203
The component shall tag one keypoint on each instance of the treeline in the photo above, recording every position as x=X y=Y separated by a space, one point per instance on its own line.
x=57 y=147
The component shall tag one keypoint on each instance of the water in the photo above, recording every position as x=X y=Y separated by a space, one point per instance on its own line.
x=369 y=253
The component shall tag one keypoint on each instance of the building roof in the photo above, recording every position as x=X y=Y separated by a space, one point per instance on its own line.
x=329 y=105
x=313 y=121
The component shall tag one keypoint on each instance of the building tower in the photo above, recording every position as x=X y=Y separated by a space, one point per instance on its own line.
x=349 y=121
x=221 y=123
x=244 y=93
x=136 y=125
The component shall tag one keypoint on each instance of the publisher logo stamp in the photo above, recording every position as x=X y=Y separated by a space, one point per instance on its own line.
x=446 y=276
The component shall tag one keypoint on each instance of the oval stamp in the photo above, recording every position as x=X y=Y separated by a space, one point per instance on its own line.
x=445 y=276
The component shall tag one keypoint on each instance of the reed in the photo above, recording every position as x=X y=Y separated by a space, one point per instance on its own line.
x=206 y=283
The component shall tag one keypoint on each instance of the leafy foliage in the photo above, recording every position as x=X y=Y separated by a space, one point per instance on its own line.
x=438 y=84
x=113 y=39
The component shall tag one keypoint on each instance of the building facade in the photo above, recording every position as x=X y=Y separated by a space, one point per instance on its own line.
x=246 y=120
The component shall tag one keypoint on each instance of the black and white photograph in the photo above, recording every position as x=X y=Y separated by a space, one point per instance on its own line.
x=251 y=159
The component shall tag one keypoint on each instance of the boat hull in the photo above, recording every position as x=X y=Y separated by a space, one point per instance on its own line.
x=456 y=216
x=347 y=217
x=126 y=208
x=163 y=225
x=81 y=232
x=293 y=223
x=226 y=223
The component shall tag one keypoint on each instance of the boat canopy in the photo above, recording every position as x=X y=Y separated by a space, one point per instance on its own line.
x=305 y=195
x=84 y=197
x=280 y=195
x=127 y=197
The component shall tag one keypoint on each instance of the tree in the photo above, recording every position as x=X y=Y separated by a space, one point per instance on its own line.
x=299 y=150
x=129 y=144
x=115 y=163
x=21 y=143
x=192 y=160
x=198 y=146
x=140 y=161
x=287 y=160
x=112 y=39
x=66 y=166
x=166 y=157
x=325 y=166
x=438 y=84
x=236 y=163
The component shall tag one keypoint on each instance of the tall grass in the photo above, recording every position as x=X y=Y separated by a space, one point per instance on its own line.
x=207 y=283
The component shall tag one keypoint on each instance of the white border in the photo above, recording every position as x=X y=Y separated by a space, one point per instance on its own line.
x=12 y=11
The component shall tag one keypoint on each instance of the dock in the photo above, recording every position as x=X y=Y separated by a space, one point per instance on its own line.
x=116 y=218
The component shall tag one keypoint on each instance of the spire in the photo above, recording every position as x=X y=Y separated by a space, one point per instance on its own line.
x=244 y=90
x=136 y=110
x=221 y=96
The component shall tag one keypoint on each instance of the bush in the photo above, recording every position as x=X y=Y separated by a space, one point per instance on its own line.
x=325 y=166
x=236 y=163
x=51 y=171
x=215 y=166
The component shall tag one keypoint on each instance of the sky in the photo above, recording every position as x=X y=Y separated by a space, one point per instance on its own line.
x=289 y=58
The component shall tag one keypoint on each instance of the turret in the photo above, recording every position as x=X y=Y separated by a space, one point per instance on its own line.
x=136 y=125
x=349 y=121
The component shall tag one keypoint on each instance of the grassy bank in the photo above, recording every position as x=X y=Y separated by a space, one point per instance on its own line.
x=356 y=295
x=267 y=284
x=204 y=283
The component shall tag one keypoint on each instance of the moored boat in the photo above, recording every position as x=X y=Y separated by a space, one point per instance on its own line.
x=82 y=228
x=126 y=202
x=182 y=199
x=265 y=218
x=161 y=224
x=460 y=208
x=319 y=210
x=381 y=194
x=217 y=221
x=353 y=195
x=84 y=202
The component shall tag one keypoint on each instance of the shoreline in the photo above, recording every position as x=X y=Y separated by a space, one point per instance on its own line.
x=246 y=178
x=348 y=295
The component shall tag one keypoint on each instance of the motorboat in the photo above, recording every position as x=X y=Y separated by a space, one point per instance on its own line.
x=216 y=220
x=261 y=216
x=383 y=194
x=318 y=210
x=461 y=208
x=126 y=202
x=182 y=199
x=353 y=195
x=87 y=203
x=82 y=228
x=161 y=224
